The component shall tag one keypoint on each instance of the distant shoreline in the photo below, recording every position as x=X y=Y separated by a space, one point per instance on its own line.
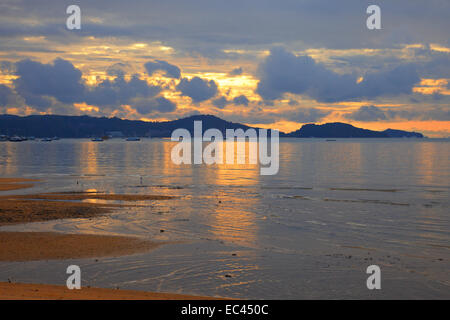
x=42 y=126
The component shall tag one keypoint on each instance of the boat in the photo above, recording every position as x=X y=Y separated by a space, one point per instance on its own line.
x=97 y=139
x=46 y=139
x=133 y=139
x=16 y=139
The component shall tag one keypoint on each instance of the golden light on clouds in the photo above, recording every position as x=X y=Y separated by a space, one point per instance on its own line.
x=231 y=86
x=34 y=39
x=94 y=56
x=139 y=45
x=7 y=79
x=437 y=47
x=85 y=107
x=432 y=86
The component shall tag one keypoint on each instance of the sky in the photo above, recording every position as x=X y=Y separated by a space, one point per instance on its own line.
x=272 y=64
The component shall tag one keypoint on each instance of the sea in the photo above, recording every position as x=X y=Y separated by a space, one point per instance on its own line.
x=309 y=232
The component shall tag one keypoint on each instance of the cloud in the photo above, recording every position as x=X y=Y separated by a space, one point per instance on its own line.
x=435 y=113
x=47 y=85
x=236 y=71
x=171 y=71
x=306 y=115
x=160 y=104
x=7 y=67
x=119 y=91
x=241 y=100
x=117 y=69
x=431 y=62
x=367 y=113
x=7 y=96
x=373 y=113
x=222 y=102
x=205 y=26
x=256 y=115
x=60 y=79
x=197 y=88
x=283 y=72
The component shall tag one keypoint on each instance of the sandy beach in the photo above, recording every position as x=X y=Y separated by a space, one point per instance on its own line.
x=32 y=246
x=7 y=184
x=22 y=291
x=88 y=195
x=29 y=246
x=26 y=208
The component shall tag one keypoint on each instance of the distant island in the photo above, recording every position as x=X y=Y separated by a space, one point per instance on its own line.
x=86 y=126
x=344 y=130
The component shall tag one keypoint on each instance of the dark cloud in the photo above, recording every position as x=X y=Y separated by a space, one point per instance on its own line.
x=41 y=103
x=44 y=85
x=119 y=91
x=159 y=104
x=236 y=71
x=210 y=26
x=367 y=113
x=59 y=79
x=306 y=115
x=220 y=102
x=436 y=64
x=283 y=72
x=372 y=113
x=241 y=100
x=197 y=88
x=171 y=71
x=7 y=96
x=7 y=67
x=256 y=115
x=117 y=69
x=399 y=80
x=435 y=113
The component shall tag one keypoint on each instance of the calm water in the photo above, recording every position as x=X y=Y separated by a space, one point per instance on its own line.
x=308 y=232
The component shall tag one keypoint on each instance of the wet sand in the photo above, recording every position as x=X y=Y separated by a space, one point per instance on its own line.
x=16 y=209
x=30 y=246
x=7 y=184
x=70 y=196
x=24 y=211
x=22 y=291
